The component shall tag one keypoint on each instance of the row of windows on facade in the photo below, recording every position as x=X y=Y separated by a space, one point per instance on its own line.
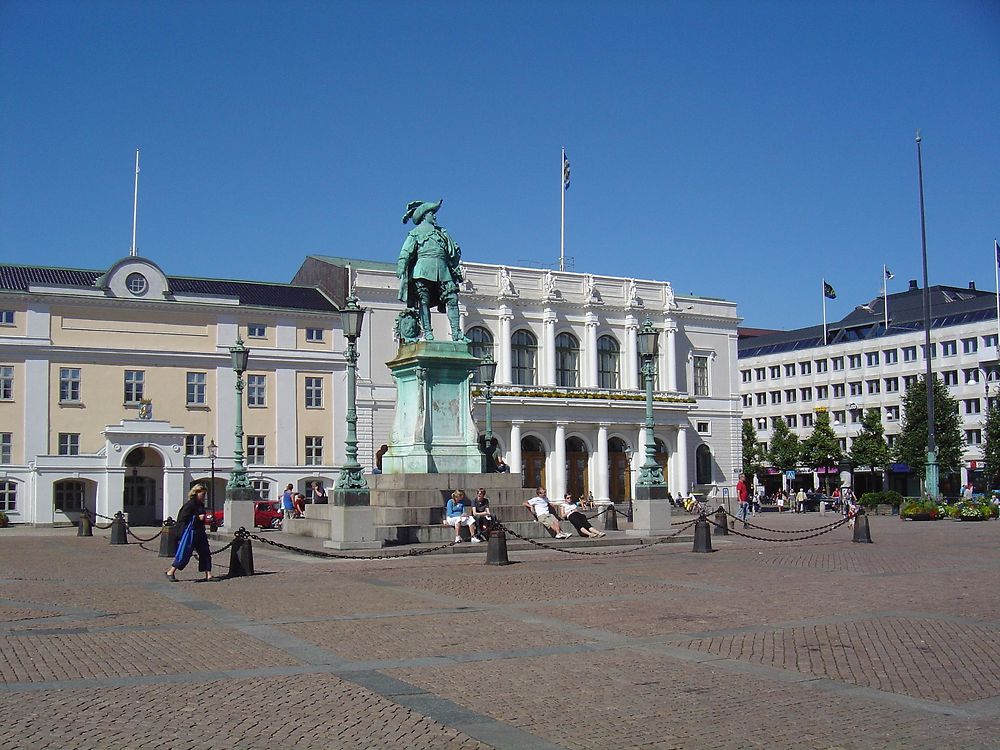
x=871 y=359
x=968 y=406
x=859 y=388
x=524 y=349
x=68 y=444
x=973 y=437
x=71 y=381
x=254 y=330
x=70 y=495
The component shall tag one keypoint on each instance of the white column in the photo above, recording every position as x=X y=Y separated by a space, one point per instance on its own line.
x=630 y=374
x=638 y=457
x=589 y=379
x=504 y=375
x=557 y=487
x=514 y=453
x=670 y=366
x=548 y=347
x=682 y=460
x=603 y=490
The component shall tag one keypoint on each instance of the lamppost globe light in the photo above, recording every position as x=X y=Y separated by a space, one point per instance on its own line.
x=487 y=369
x=213 y=450
x=648 y=339
x=240 y=355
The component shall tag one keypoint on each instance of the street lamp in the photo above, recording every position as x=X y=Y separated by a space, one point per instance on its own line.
x=238 y=476
x=213 y=453
x=651 y=473
x=352 y=475
x=487 y=374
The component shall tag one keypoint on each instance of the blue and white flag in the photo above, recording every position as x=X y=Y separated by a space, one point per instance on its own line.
x=565 y=172
x=888 y=274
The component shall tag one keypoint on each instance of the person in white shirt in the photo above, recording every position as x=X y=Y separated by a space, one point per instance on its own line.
x=539 y=506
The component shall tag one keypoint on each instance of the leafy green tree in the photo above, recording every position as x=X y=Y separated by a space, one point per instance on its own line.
x=869 y=447
x=753 y=456
x=821 y=448
x=991 y=444
x=785 y=450
x=911 y=445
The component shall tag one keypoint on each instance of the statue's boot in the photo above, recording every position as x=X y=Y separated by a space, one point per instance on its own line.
x=456 y=325
x=425 y=322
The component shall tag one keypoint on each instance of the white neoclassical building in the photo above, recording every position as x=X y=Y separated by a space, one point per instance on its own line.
x=569 y=407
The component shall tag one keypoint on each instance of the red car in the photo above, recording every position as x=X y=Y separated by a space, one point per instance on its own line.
x=265 y=515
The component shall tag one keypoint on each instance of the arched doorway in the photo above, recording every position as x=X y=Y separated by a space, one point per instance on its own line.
x=619 y=470
x=532 y=462
x=143 y=478
x=577 y=460
x=703 y=464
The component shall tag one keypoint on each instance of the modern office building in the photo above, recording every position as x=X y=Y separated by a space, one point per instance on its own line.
x=866 y=365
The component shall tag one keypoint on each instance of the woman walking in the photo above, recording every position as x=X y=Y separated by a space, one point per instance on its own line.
x=191 y=521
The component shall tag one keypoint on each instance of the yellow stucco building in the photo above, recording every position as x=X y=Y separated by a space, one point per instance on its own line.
x=115 y=384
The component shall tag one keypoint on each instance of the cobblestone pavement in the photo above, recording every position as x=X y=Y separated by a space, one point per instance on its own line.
x=770 y=643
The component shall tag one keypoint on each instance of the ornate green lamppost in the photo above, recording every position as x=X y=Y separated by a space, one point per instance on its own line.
x=238 y=476
x=650 y=473
x=487 y=375
x=352 y=475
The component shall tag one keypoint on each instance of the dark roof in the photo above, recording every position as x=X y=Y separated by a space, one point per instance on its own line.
x=252 y=293
x=949 y=306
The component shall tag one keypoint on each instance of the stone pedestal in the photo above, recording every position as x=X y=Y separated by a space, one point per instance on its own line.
x=352 y=521
x=433 y=431
x=650 y=512
x=239 y=508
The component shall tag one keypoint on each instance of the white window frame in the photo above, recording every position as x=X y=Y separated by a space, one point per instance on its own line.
x=313 y=455
x=69 y=385
x=194 y=445
x=8 y=496
x=256 y=390
x=256 y=331
x=313 y=392
x=314 y=335
x=135 y=386
x=6 y=448
x=6 y=383
x=68 y=444
x=256 y=449
x=197 y=386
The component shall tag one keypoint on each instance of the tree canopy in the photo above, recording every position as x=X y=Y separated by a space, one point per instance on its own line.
x=991 y=443
x=785 y=450
x=911 y=445
x=822 y=448
x=753 y=456
x=869 y=448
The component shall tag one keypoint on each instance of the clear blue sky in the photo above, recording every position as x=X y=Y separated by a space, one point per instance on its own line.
x=738 y=149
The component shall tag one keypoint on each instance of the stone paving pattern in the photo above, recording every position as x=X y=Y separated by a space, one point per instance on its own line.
x=770 y=644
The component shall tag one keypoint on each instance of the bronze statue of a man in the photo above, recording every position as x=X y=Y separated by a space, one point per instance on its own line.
x=428 y=268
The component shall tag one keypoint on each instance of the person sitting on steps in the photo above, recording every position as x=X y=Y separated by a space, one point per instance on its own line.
x=539 y=506
x=455 y=516
x=571 y=512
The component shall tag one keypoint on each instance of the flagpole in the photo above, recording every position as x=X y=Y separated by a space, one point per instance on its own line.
x=931 y=476
x=562 y=217
x=822 y=291
x=133 y=251
x=996 y=269
x=885 y=296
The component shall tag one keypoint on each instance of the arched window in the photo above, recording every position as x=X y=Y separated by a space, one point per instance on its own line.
x=567 y=360
x=523 y=347
x=703 y=464
x=608 y=357
x=69 y=495
x=480 y=344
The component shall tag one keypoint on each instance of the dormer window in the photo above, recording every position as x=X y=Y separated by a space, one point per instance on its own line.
x=136 y=283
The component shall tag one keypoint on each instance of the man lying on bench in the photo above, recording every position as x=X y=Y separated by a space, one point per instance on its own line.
x=539 y=506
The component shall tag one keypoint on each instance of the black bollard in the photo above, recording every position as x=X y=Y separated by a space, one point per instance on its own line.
x=629 y=516
x=86 y=526
x=861 y=532
x=119 y=535
x=610 y=518
x=241 y=555
x=496 y=548
x=702 y=536
x=721 y=523
x=168 y=539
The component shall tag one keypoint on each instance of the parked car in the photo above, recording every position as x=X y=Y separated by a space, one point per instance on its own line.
x=266 y=515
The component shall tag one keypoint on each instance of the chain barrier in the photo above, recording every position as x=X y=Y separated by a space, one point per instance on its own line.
x=569 y=551
x=104 y=527
x=836 y=525
x=140 y=539
x=830 y=525
x=219 y=551
x=319 y=553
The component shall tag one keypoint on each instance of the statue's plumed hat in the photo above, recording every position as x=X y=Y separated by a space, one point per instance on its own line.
x=417 y=209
